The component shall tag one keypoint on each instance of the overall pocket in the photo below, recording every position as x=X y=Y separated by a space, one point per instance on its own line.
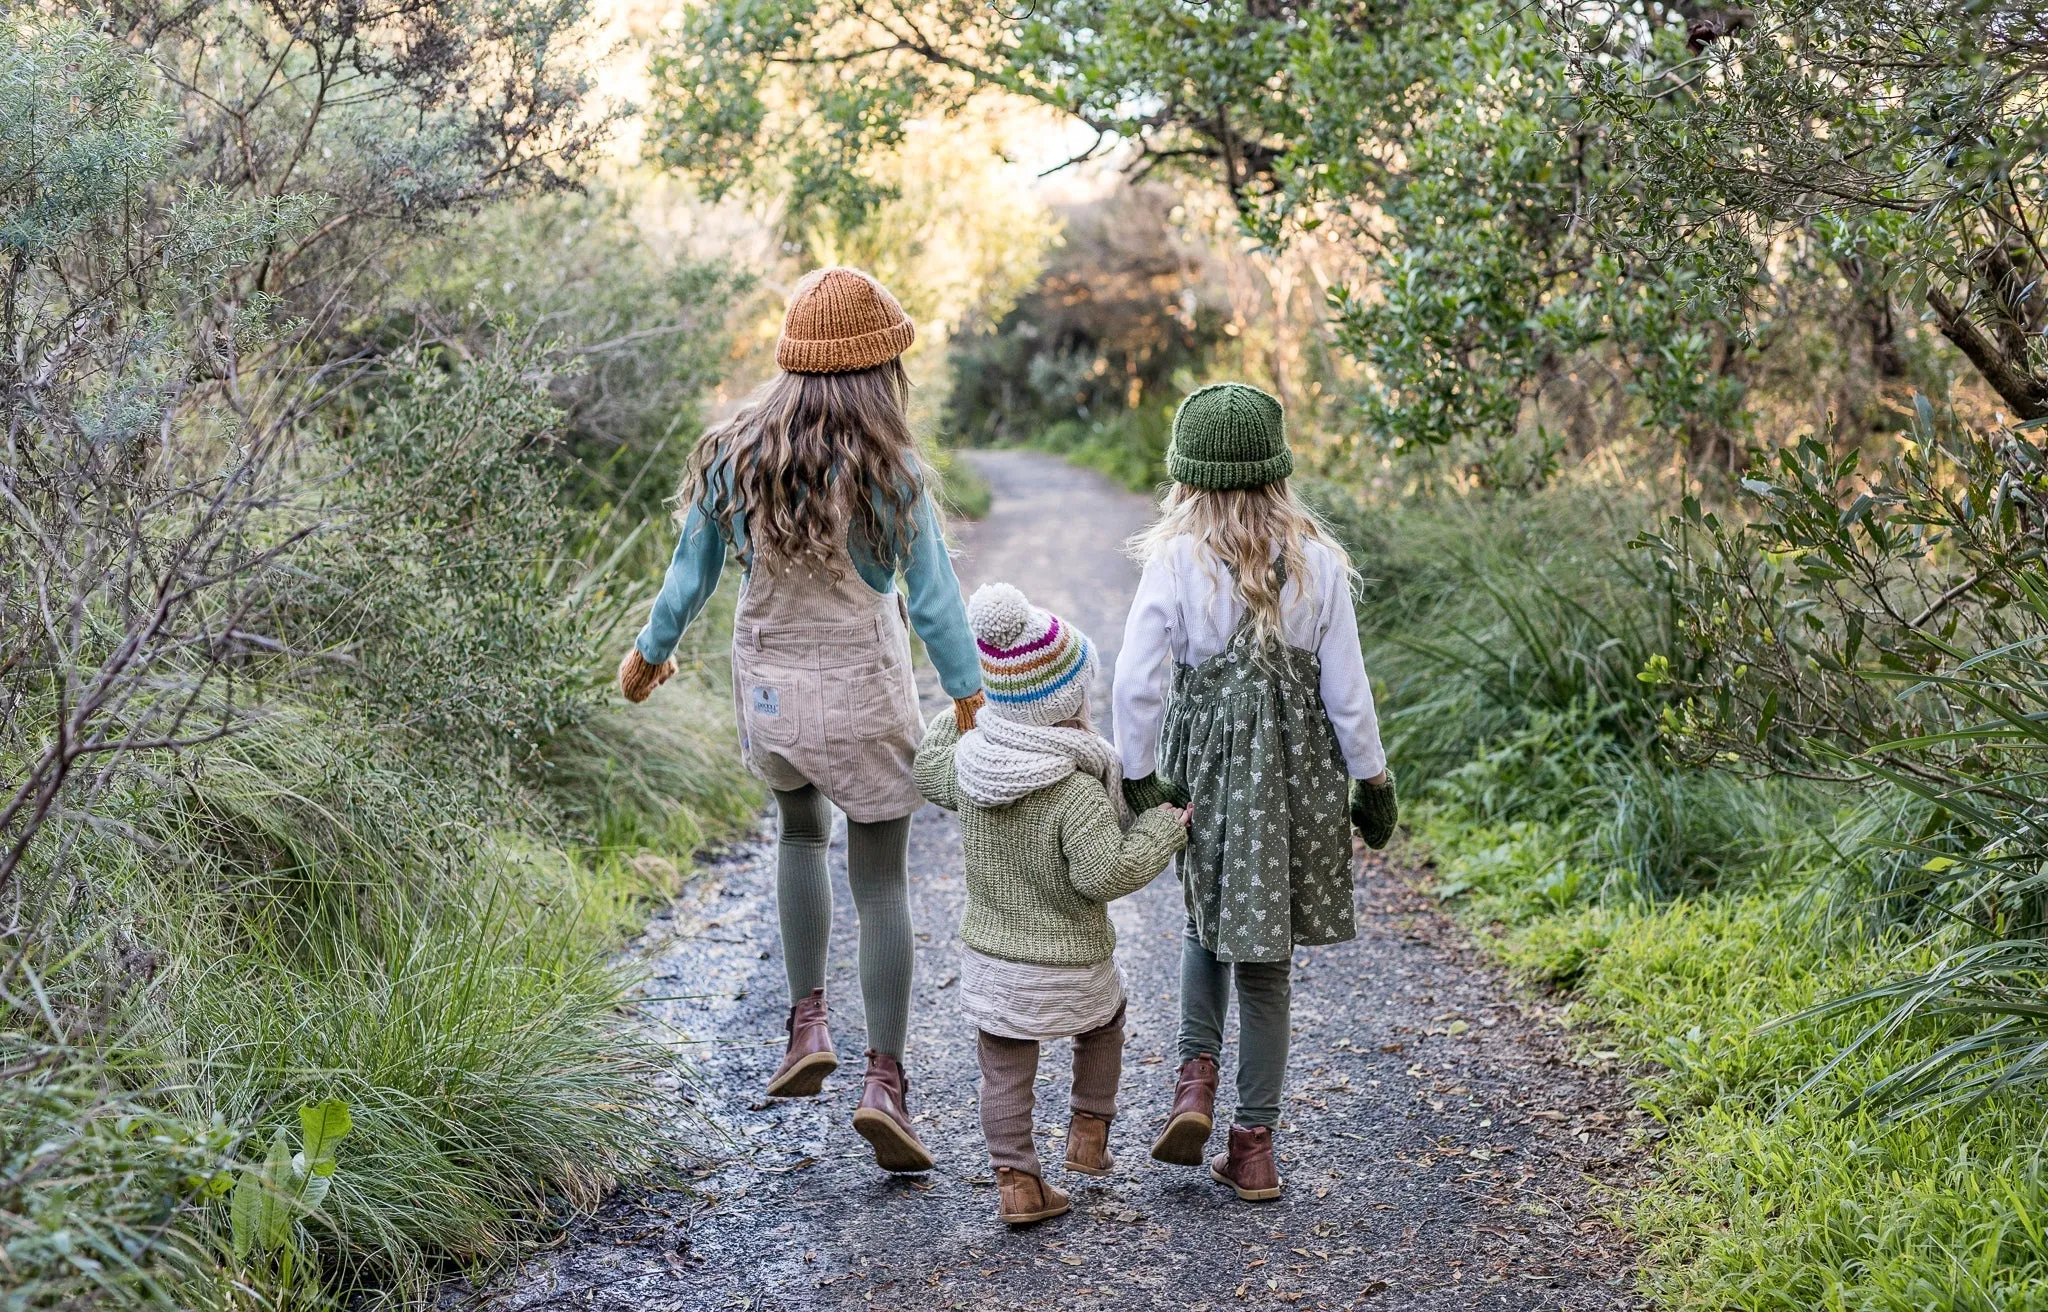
x=771 y=701
x=881 y=700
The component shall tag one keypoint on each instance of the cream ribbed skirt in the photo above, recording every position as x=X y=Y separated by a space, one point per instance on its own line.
x=1016 y=1000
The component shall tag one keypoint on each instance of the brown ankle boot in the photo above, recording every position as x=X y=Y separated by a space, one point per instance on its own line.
x=1022 y=1199
x=810 y=1057
x=884 y=1116
x=1088 y=1145
x=1193 y=1115
x=1248 y=1166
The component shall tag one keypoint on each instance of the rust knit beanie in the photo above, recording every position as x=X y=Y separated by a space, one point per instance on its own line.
x=840 y=320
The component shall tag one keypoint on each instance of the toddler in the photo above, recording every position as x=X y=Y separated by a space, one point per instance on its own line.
x=1039 y=795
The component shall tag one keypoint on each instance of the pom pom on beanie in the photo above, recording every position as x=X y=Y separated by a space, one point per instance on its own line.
x=1035 y=666
x=999 y=614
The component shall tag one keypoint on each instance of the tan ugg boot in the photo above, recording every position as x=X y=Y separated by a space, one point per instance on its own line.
x=883 y=1118
x=1248 y=1165
x=809 y=1057
x=1022 y=1199
x=1088 y=1145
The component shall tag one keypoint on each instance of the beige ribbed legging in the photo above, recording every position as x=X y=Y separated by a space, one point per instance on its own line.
x=1009 y=1068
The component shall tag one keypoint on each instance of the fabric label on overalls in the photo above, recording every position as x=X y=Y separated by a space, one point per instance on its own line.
x=767 y=701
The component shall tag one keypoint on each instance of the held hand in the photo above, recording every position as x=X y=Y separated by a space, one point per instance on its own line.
x=637 y=678
x=1183 y=814
x=1375 y=809
x=1150 y=791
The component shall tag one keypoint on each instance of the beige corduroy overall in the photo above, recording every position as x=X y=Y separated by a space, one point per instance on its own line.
x=823 y=687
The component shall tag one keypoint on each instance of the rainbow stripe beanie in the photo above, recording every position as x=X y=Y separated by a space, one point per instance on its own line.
x=1035 y=666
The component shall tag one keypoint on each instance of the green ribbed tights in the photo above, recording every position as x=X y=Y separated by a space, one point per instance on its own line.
x=878 y=871
x=1265 y=998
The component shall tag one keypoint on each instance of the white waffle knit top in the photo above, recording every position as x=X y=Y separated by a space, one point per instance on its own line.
x=1186 y=610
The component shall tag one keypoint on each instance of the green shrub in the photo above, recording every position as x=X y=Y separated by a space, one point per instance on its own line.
x=1727 y=935
x=95 y=1184
x=279 y=829
x=1129 y=446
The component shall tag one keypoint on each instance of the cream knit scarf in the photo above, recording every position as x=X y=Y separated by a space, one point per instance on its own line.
x=999 y=761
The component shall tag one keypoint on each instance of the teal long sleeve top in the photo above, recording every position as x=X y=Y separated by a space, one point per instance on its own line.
x=936 y=611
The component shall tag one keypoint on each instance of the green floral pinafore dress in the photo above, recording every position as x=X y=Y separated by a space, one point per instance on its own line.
x=1268 y=862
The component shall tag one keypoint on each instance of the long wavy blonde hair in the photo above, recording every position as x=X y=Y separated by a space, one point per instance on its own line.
x=810 y=458
x=1241 y=529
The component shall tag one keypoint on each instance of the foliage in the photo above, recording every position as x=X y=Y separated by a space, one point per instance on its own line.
x=626 y=336
x=1483 y=618
x=1128 y=446
x=1124 y=312
x=873 y=68
x=1725 y=934
x=1763 y=1204
x=444 y=585
x=1452 y=149
x=272 y=1199
x=402 y=116
x=297 y=605
x=1908 y=141
x=1889 y=628
x=91 y=1181
x=1819 y=617
x=963 y=234
x=130 y=570
x=1485 y=297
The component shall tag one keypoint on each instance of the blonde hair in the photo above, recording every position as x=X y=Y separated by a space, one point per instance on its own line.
x=1242 y=527
x=810 y=458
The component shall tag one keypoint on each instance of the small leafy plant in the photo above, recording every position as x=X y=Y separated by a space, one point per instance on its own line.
x=273 y=1196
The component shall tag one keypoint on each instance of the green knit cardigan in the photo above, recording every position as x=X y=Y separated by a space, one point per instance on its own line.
x=1042 y=870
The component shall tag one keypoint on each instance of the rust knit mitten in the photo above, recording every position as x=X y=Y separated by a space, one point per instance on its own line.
x=637 y=678
x=964 y=709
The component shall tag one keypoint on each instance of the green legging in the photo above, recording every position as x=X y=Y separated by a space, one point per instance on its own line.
x=878 y=870
x=1265 y=995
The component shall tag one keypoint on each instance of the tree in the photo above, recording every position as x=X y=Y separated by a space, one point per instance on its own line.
x=134 y=563
x=1908 y=139
x=818 y=89
x=1448 y=142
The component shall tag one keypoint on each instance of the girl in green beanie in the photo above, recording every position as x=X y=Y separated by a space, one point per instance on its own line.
x=1241 y=688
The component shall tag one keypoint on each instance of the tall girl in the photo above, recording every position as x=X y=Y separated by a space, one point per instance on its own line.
x=1267 y=727
x=818 y=486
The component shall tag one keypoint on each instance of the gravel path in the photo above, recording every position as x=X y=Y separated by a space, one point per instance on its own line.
x=1440 y=1146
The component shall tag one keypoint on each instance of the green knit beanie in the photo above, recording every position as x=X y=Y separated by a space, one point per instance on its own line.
x=1229 y=435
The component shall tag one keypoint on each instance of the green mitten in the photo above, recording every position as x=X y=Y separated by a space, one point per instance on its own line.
x=1374 y=810
x=1141 y=795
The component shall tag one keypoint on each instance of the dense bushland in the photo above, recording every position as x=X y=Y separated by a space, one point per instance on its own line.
x=317 y=828
x=1806 y=984
x=1673 y=372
